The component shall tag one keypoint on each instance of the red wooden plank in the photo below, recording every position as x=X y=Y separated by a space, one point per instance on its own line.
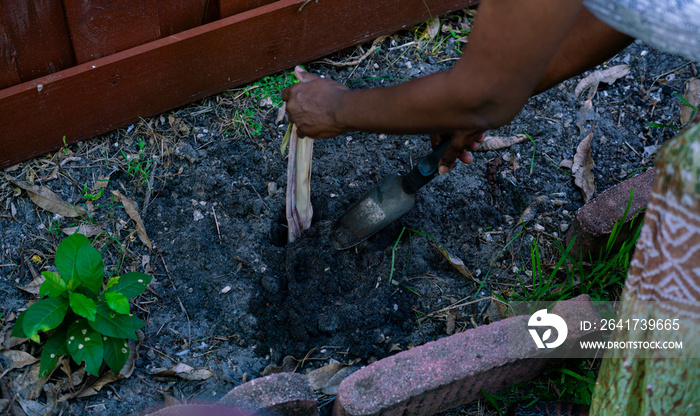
x=176 y=16
x=102 y=27
x=8 y=69
x=231 y=7
x=38 y=31
x=116 y=90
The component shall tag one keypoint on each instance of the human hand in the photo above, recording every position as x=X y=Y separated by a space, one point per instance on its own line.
x=461 y=143
x=311 y=105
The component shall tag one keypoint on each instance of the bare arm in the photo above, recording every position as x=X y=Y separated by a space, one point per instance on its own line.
x=508 y=49
x=590 y=42
x=516 y=49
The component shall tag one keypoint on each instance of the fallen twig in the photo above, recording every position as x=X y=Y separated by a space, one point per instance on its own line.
x=216 y=221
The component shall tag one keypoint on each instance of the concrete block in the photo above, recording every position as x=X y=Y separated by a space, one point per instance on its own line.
x=284 y=394
x=452 y=371
x=595 y=220
x=202 y=410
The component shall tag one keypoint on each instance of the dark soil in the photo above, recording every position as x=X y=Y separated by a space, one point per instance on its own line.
x=230 y=294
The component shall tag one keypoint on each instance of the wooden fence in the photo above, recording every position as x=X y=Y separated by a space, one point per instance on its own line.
x=79 y=68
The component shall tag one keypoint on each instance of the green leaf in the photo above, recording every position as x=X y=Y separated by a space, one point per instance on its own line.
x=44 y=315
x=83 y=306
x=78 y=261
x=90 y=267
x=116 y=352
x=18 y=328
x=109 y=323
x=86 y=345
x=117 y=302
x=53 y=286
x=54 y=348
x=111 y=282
x=131 y=284
x=66 y=255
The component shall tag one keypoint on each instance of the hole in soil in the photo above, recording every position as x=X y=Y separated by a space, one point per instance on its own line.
x=278 y=231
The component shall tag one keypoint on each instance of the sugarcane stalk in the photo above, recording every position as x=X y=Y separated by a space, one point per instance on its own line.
x=299 y=210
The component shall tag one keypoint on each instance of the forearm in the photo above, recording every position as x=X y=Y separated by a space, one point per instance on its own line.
x=507 y=54
x=590 y=42
x=417 y=106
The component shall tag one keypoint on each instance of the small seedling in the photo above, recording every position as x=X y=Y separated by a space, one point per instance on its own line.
x=54 y=227
x=138 y=166
x=83 y=320
x=534 y=149
x=85 y=194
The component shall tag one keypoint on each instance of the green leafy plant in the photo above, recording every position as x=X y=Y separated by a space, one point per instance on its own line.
x=244 y=119
x=85 y=193
x=534 y=149
x=602 y=278
x=83 y=320
x=138 y=165
x=271 y=87
x=571 y=381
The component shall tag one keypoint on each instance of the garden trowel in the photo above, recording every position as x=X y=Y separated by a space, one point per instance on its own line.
x=392 y=197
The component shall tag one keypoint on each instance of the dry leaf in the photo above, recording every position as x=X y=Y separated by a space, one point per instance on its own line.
x=456 y=262
x=19 y=358
x=566 y=163
x=169 y=400
x=496 y=143
x=692 y=95
x=132 y=211
x=586 y=106
x=34 y=286
x=433 y=27
x=451 y=322
x=184 y=372
x=496 y=310
x=289 y=365
x=88 y=230
x=8 y=341
x=320 y=376
x=607 y=76
x=582 y=168
x=101 y=182
x=50 y=177
x=281 y=112
x=395 y=348
x=331 y=387
x=46 y=199
x=530 y=212
x=35 y=408
x=28 y=385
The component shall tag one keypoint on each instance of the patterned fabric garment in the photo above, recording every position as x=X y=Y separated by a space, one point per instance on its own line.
x=664 y=272
x=669 y=25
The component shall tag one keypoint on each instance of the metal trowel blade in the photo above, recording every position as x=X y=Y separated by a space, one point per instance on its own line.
x=379 y=207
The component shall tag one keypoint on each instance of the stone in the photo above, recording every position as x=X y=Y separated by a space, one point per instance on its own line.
x=453 y=371
x=595 y=220
x=284 y=394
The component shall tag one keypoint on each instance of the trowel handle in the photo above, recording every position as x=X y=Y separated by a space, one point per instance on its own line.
x=425 y=170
